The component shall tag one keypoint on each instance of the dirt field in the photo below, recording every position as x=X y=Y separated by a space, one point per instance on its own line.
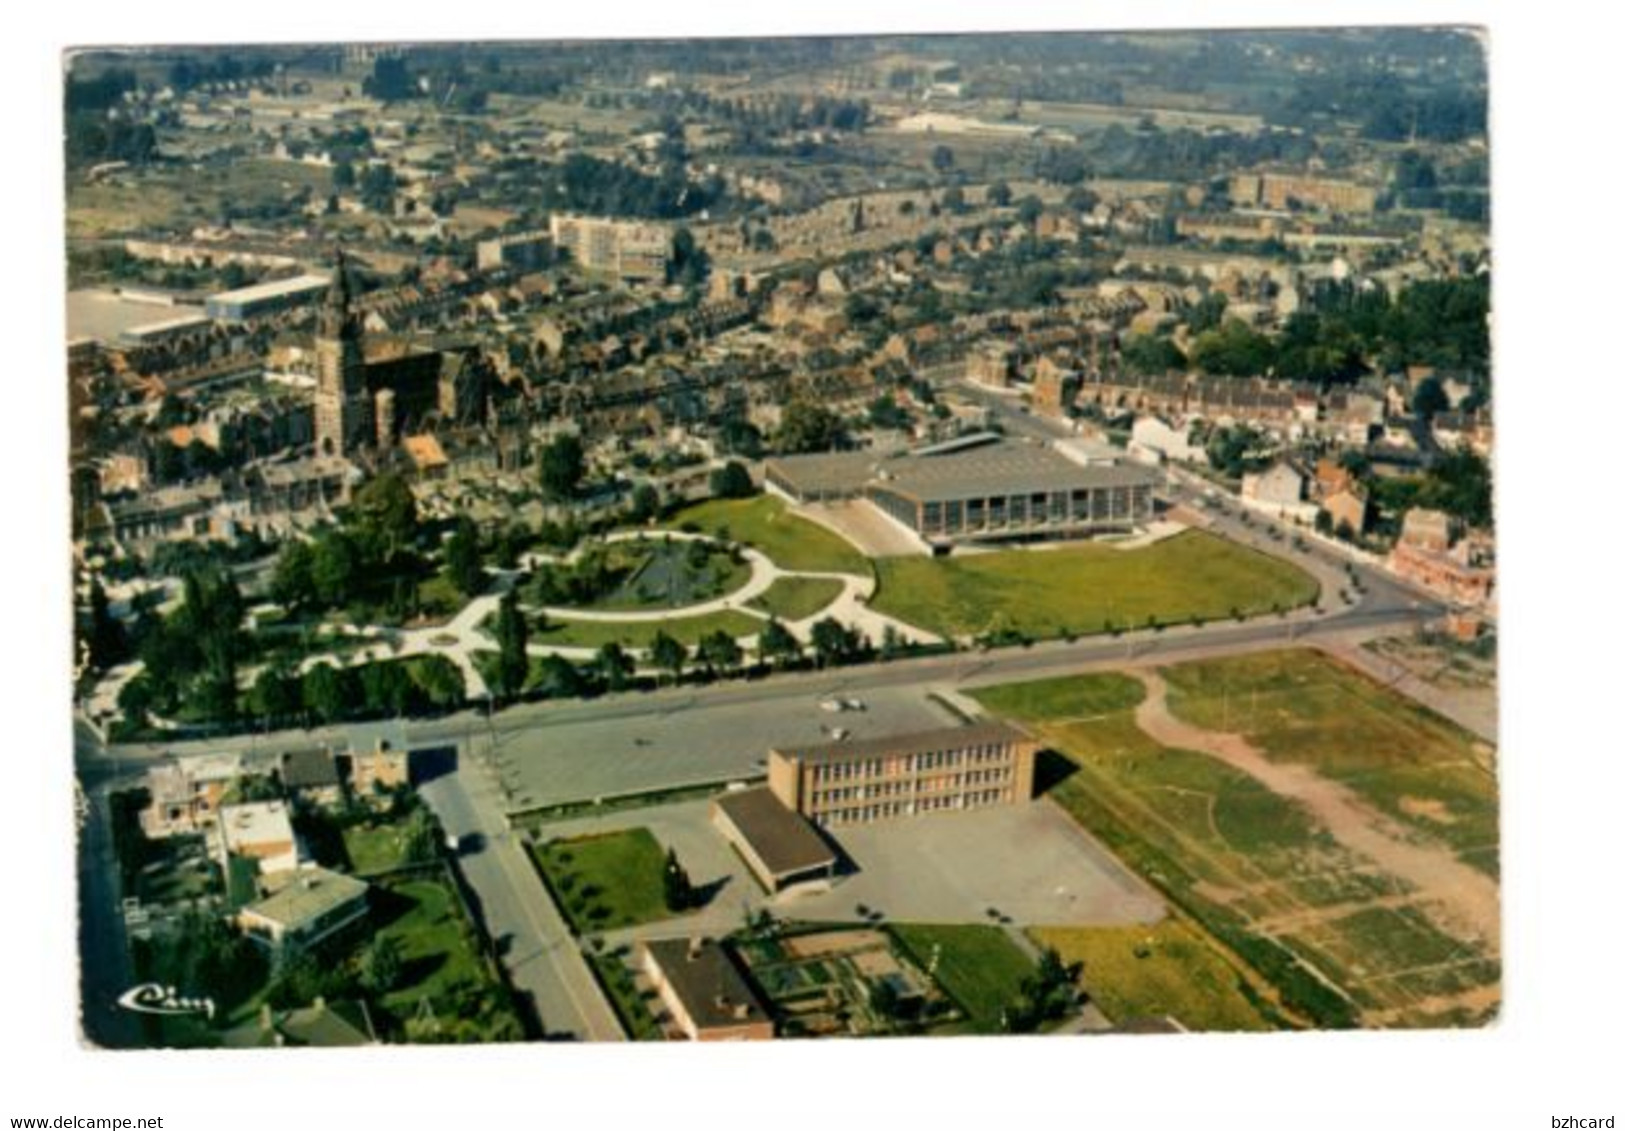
x=1465 y=897
x=1333 y=839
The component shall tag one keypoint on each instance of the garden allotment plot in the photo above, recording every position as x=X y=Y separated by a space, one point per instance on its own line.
x=1339 y=839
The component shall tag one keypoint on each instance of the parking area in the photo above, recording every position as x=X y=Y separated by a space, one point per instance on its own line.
x=650 y=749
x=1029 y=863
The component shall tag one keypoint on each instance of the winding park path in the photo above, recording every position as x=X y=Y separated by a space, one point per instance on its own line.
x=850 y=606
x=463 y=636
x=1463 y=896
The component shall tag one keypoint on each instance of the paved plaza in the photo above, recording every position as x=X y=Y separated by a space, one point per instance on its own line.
x=1030 y=863
x=678 y=744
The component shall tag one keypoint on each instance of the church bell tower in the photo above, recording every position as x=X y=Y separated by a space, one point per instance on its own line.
x=342 y=410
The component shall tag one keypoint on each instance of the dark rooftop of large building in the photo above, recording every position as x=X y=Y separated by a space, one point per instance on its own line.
x=917 y=742
x=1003 y=467
x=704 y=978
x=782 y=839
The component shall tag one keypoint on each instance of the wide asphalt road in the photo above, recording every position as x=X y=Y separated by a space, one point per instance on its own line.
x=534 y=944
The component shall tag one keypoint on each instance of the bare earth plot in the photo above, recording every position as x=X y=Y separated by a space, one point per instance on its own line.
x=1341 y=845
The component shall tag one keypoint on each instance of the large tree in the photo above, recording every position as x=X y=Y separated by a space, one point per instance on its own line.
x=720 y=652
x=513 y=663
x=386 y=516
x=808 y=426
x=777 y=643
x=563 y=464
x=732 y=481
x=667 y=653
x=615 y=666
x=463 y=562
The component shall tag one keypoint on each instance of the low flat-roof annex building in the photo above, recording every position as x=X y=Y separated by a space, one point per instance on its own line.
x=981 y=489
x=905 y=775
x=775 y=841
x=704 y=989
x=265 y=298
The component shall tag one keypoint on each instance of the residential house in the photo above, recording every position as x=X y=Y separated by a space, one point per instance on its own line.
x=310 y=907
x=1277 y=491
x=705 y=991
x=186 y=794
x=1347 y=507
x=1154 y=440
x=383 y=768
x=1428 y=530
x=318 y=1025
x=263 y=832
x=312 y=777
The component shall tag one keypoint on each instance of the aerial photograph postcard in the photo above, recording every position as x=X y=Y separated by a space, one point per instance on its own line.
x=800 y=538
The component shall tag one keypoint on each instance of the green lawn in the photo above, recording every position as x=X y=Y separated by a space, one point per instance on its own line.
x=796 y=598
x=375 y=849
x=438 y=598
x=1088 y=588
x=608 y=881
x=1300 y=705
x=1164 y=970
x=1049 y=700
x=978 y=966
x=766 y=523
x=437 y=951
x=688 y=630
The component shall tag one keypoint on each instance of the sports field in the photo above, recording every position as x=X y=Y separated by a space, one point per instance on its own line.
x=1341 y=902
x=1089 y=588
x=765 y=523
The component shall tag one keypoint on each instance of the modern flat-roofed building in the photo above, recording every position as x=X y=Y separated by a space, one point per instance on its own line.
x=522 y=251
x=262 y=831
x=982 y=489
x=265 y=298
x=775 y=841
x=905 y=775
x=626 y=248
x=313 y=905
x=705 y=990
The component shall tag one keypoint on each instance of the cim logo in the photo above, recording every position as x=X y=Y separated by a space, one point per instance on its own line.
x=150 y=997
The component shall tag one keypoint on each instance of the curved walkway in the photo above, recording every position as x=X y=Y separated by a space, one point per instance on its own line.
x=459 y=638
x=1466 y=898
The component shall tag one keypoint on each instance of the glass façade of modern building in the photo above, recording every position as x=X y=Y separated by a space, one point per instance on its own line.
x=987 y=491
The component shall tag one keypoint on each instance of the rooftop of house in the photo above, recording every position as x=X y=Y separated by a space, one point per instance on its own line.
x=306 y=897
x=256 y=822
x=319 y=1025
x=309 y=769
x=704 y=978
